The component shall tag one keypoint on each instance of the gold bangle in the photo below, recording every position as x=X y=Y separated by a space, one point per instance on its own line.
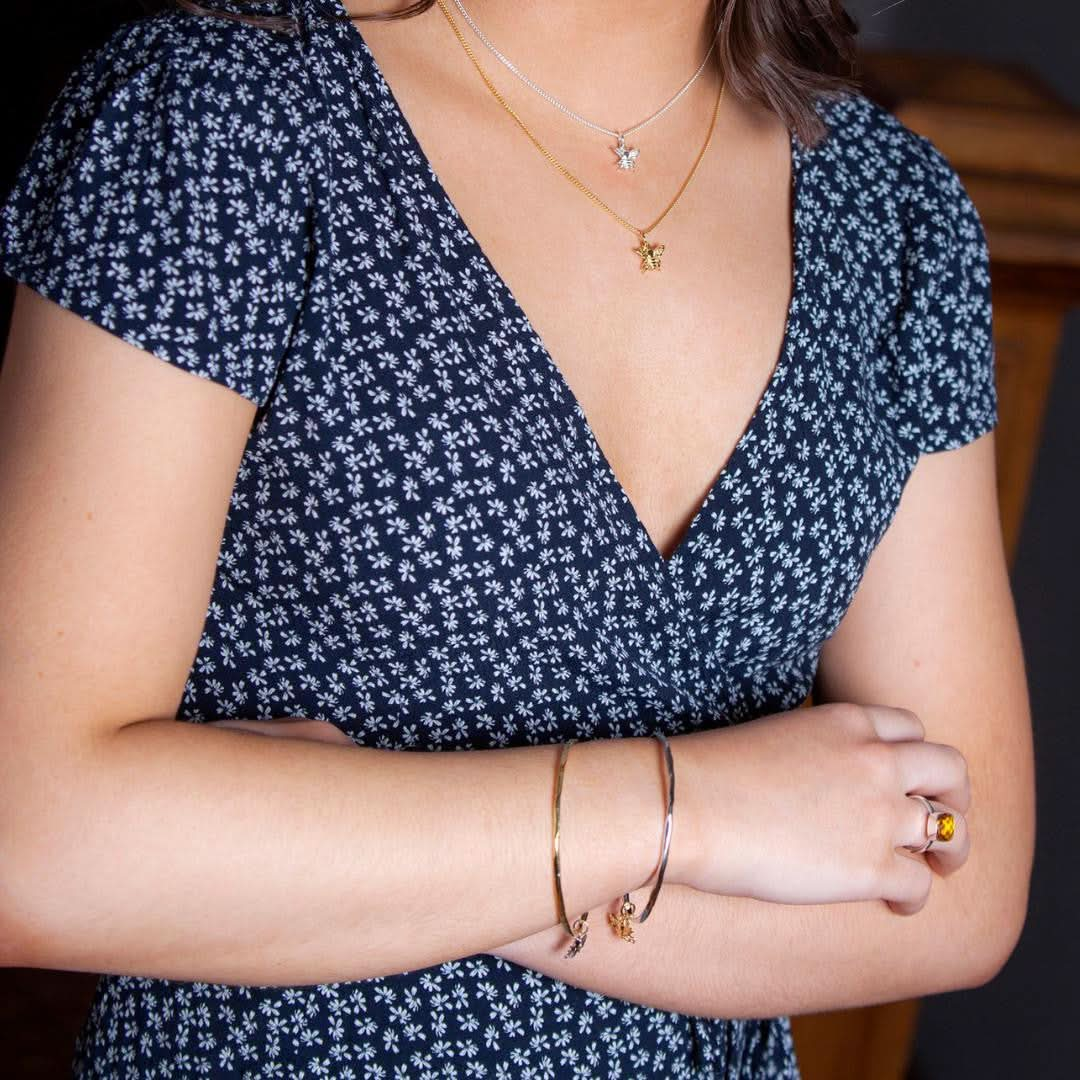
x=580 y=928
x=622 y=923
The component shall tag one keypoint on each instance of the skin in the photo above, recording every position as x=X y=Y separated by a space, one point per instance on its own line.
x=922 y=687
x=647 y=372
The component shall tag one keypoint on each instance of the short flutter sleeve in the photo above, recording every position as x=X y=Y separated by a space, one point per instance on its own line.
x=935 y=377
x=165 y=199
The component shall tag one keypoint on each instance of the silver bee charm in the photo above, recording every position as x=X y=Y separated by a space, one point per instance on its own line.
x=627 y=155
x=580 y=929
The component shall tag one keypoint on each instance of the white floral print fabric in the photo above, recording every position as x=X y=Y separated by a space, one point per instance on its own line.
x=425 y=544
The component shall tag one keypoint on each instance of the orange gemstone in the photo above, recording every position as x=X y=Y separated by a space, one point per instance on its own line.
x=946 y=827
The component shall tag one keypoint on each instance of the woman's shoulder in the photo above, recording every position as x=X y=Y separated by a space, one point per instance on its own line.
x=870 y=152
x=175 y=91
x=924 y=265
x=191 y=61
x=168 y=193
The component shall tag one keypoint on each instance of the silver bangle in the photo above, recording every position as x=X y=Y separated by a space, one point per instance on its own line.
x=622 y=923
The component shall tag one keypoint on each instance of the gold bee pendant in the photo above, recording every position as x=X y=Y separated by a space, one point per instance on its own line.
x=649 y=254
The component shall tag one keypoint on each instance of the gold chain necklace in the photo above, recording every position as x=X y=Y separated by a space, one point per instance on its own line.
x=648 y=252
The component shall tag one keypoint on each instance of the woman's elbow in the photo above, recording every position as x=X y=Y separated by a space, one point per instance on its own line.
x=1003 y=922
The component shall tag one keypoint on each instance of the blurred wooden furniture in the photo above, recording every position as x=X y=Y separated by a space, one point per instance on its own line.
x=1017 y=149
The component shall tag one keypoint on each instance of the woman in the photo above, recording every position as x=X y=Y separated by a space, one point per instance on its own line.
x=447 y=478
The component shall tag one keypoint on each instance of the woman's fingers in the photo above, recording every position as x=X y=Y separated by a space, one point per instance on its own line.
x=909 y=883
x=939 y=772
x=936 y=770
x=894 y=725
x=910 y=874
x=290 y=727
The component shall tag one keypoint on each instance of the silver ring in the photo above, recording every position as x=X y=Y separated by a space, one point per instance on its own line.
x=940 y=826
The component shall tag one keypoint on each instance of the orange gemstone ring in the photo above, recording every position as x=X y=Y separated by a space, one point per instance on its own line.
x=940 y=826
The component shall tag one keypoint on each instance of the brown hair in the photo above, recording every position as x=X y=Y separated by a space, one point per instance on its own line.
x=779 y=53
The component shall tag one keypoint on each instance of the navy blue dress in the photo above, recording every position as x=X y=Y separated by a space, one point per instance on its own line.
x=425 y=544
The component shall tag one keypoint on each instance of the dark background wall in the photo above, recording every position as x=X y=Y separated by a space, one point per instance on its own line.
x=1025 y=1024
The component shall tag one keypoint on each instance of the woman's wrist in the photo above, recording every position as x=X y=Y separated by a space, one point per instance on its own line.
x=614 y=801
x=685 y=832
x=698 y=828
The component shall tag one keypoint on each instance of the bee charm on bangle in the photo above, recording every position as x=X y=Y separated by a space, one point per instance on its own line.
x=621 y=923
x=580 y=931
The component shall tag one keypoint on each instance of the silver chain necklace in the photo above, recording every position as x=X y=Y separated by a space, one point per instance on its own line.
x=626 y=157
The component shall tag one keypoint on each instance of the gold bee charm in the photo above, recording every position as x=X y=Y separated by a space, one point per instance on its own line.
x=621 y=923
x=649 y=255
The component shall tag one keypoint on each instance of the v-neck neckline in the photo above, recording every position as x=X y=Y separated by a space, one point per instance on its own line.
x=665 y=565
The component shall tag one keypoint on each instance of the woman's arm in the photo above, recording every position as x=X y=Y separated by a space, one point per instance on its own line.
x=932 y=628
x=133 y=843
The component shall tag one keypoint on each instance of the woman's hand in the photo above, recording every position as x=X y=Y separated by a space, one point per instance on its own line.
x=290 y=727
x=811 y=806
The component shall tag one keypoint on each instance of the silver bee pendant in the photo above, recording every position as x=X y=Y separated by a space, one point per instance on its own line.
x=626 y=156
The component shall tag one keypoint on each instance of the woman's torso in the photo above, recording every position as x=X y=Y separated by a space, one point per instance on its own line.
x=427 y=547
x=667 y=365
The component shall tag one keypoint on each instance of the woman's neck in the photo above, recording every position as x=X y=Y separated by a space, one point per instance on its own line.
x=599 y=52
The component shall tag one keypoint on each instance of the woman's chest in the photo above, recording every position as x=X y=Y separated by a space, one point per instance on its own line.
x=424 y=538
x=425 y=525
x=667 y=358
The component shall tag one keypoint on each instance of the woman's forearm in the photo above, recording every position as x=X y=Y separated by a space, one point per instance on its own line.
x=185 y=851
x=739 y=958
